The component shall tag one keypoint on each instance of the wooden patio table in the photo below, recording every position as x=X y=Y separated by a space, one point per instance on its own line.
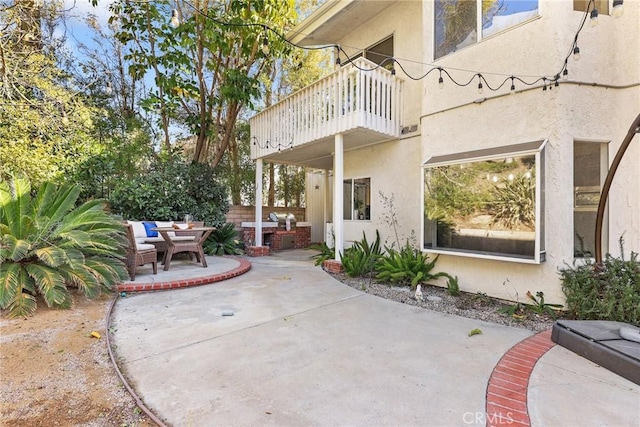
x=192 y=246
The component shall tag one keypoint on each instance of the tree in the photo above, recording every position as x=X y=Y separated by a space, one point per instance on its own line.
x=47 y=123
x=206 y=69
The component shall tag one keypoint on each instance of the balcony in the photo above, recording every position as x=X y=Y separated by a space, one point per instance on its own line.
x=364 y=106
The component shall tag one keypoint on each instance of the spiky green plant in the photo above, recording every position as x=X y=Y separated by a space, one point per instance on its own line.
x=324 y=253
x=223 y=241
x=48 y=245
x=360 y=258
x=408 y=266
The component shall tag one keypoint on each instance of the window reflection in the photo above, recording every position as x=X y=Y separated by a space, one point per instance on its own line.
x=486 y=206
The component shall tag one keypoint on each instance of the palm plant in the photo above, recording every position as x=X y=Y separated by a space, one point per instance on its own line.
x=47 y=245
x=223 y=241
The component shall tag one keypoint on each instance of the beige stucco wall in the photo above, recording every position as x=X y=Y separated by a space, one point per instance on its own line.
x=452 y=123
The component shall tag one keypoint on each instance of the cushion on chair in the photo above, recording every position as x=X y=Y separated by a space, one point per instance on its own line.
x=148 y=225
x=138 y=228
x=144 y=246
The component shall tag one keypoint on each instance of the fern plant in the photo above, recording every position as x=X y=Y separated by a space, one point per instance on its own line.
x=360 y=258
x=408 y=266
x=223 y=241
x=48 y=245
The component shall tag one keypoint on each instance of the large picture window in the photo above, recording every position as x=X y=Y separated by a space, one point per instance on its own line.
x=460 y=23
x=486 y=203
x=357 y=199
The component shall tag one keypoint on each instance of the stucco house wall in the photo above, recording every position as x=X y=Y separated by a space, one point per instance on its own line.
x=392 y=166
x=452 y=123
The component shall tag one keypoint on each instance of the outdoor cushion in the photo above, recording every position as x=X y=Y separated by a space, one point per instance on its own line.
x=148 y=225
x=166 y=224
x=138 y=228
x=144 y=246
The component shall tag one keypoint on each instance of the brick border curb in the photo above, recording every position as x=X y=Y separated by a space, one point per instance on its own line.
x=175 y=284
x=507 y=387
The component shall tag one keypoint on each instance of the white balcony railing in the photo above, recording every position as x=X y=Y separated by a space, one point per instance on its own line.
x=345 y=100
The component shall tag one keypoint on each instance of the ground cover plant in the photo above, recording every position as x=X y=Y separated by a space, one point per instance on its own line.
x=361 y=258
x=48 y=245
x=407 y=266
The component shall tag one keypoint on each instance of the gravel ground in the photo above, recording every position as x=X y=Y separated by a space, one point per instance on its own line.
x=473 y=306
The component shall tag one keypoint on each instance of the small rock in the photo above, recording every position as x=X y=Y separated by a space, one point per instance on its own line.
x=434 y=298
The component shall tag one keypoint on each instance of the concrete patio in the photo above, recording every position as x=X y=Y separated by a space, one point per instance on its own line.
x=303 y=349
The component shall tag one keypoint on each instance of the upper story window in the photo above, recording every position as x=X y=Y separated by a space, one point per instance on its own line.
x=460 y=23
x=378 y=53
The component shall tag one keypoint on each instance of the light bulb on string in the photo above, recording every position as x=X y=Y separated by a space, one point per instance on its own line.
x=513 y=86
x=265 y=46
x=565 y=74
x=480 y=90
x=618 y=9
x=576 y=53
x=556 y=79
x=593 y=20
x=175 y=20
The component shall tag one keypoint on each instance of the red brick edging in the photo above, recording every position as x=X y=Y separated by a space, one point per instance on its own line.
x=509 y=381
x=156 y=286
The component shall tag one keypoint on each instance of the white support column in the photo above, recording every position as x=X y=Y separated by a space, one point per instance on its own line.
x=325 y=207
x=338 y=173
x=258 y=222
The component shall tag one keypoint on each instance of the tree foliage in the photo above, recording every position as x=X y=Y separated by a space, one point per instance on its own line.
x=206 y=69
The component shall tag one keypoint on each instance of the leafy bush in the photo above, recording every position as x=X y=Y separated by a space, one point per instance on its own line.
x=325 y=253
x=409 y=266
x=171 y=189
x=223 y=241
x=47 y=245
x=610 y=291
x=360 y=258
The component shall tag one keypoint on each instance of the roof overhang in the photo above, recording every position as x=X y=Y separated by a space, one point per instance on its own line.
x=334 y=19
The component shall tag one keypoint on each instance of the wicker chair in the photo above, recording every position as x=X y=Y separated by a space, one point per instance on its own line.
x=139 y=254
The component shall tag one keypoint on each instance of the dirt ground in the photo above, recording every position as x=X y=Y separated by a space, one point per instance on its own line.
x=54 y=373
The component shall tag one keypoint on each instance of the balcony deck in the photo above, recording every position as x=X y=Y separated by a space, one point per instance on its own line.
x=360 y=101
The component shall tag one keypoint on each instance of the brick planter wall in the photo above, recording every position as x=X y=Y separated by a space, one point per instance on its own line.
x=332 y=266
x=255 y=251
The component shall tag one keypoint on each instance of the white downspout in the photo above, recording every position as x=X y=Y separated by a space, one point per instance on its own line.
x=258 y=223
x=338 y=173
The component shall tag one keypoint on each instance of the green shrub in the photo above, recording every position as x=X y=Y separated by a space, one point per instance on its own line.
x=610 y=291
x=48 y=245
x=223 y=241
x=325 y=253
x=408 y=266
x=171 y=189
x=360 y=258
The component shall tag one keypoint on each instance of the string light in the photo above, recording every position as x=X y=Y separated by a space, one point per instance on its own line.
x=618 y=8
x=267 y=144
x=175 y=20
x=513 y=85
x=593 y=20
x=575 y=50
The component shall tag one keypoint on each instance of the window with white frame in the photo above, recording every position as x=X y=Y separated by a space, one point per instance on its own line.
x=461 y=23
x=486 y=203
x=589 y=172
x=357 y=199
